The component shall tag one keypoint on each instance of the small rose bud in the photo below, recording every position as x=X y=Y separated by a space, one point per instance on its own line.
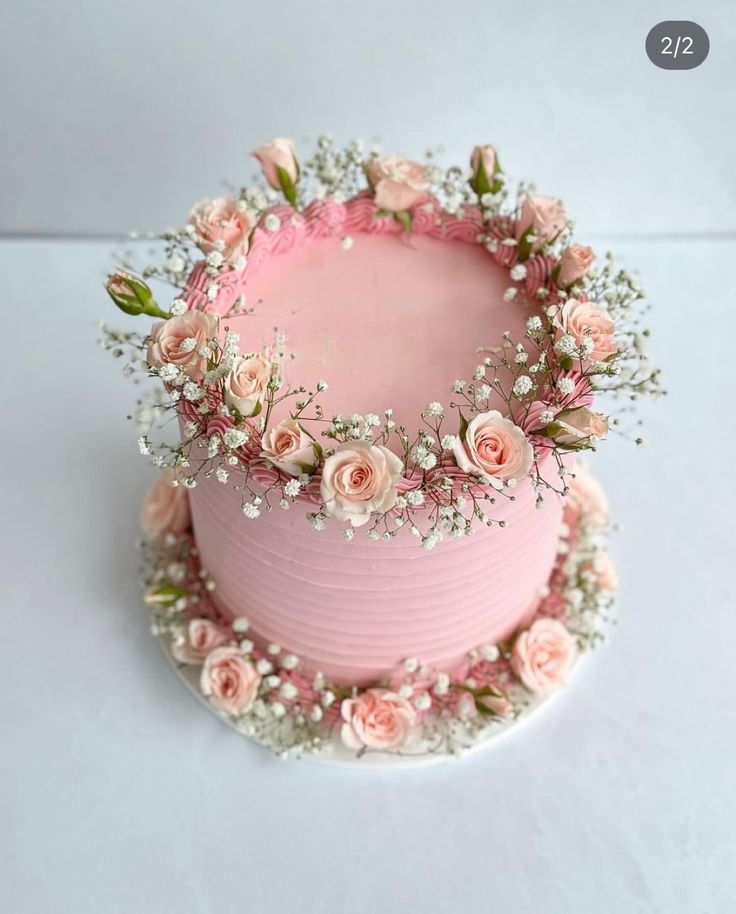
x=484 y=165
x=128 y=292
x=577 y=428
x=492 y=702
x=574 y=264
x=280 y=166
x=132 y=295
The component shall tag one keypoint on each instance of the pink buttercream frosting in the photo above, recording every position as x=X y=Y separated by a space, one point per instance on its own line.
x=390 y=321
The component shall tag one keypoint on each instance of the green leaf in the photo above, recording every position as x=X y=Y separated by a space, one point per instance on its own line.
x=497 y=182
x=463 y=426
x=403 y=216
x=165 y=595
x=480 y=183
x=257 y=410
x=288 y=187
x=525 y=244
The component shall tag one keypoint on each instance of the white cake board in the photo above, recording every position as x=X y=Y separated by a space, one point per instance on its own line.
x=334 y=754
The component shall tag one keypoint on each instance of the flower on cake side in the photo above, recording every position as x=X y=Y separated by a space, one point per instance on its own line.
x=531 y=401
x=377 y=719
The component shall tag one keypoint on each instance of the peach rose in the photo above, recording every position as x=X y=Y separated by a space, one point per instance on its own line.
x=545 y=216
x=229 y=680
x=543 y=655
x=398 y=183
x=288 y=447
x=586 y=501
x=165 y=509
x=482 y=157
x=359 y=478
x=578 y=426
x=179 y=341
x=196 y=639
x=275 y=154
x=591 y=326
x=494 y=447
x=222 y=224
x=377 y=719
x=246 y=383
x=574 y=264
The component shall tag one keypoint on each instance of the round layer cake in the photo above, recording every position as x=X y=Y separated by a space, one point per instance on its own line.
x=377 y=387
x=390 y=319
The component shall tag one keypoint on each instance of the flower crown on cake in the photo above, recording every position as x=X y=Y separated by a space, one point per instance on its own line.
x=243 y=425
x=241 y=422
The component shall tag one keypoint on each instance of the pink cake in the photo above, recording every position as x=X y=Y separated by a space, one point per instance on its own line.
x=391 y=321
x=371 y=532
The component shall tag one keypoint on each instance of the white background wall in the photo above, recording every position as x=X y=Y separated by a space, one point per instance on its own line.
x=118 y=115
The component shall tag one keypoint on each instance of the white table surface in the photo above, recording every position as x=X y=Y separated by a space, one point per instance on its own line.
x=120 y=793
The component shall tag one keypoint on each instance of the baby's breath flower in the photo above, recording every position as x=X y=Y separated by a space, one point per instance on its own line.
x=566 y=385
x=522 y=385
x=292 y=488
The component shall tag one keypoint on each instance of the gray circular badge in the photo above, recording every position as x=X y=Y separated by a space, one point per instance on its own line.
x=677 y=45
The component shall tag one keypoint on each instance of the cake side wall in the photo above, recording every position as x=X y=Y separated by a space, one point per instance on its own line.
x=355 y=610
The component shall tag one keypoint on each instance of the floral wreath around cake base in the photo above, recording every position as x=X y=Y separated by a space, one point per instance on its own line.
x=527 y=399
x=266 y=694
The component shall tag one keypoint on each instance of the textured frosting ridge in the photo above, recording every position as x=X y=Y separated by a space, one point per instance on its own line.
x=356 y=610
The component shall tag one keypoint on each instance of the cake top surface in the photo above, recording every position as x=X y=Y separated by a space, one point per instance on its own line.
x=394 y=345
x=390 y=319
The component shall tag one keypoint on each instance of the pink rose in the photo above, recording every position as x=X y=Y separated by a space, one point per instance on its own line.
x=288 y=447
x=222 y=224
x=574 y=264
x=196 y=639
x=398 y=183
x=275 y=154
x=586 y=501
x=495 y=448
x=591 y=327
x=483 y=157
x=179 y=340
x=165 y=509
x=543 y=655
x=579 y=427
x=545 y=216
x=377 y=719
x=359 y=478
x=246 y=384
x=229 y=680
